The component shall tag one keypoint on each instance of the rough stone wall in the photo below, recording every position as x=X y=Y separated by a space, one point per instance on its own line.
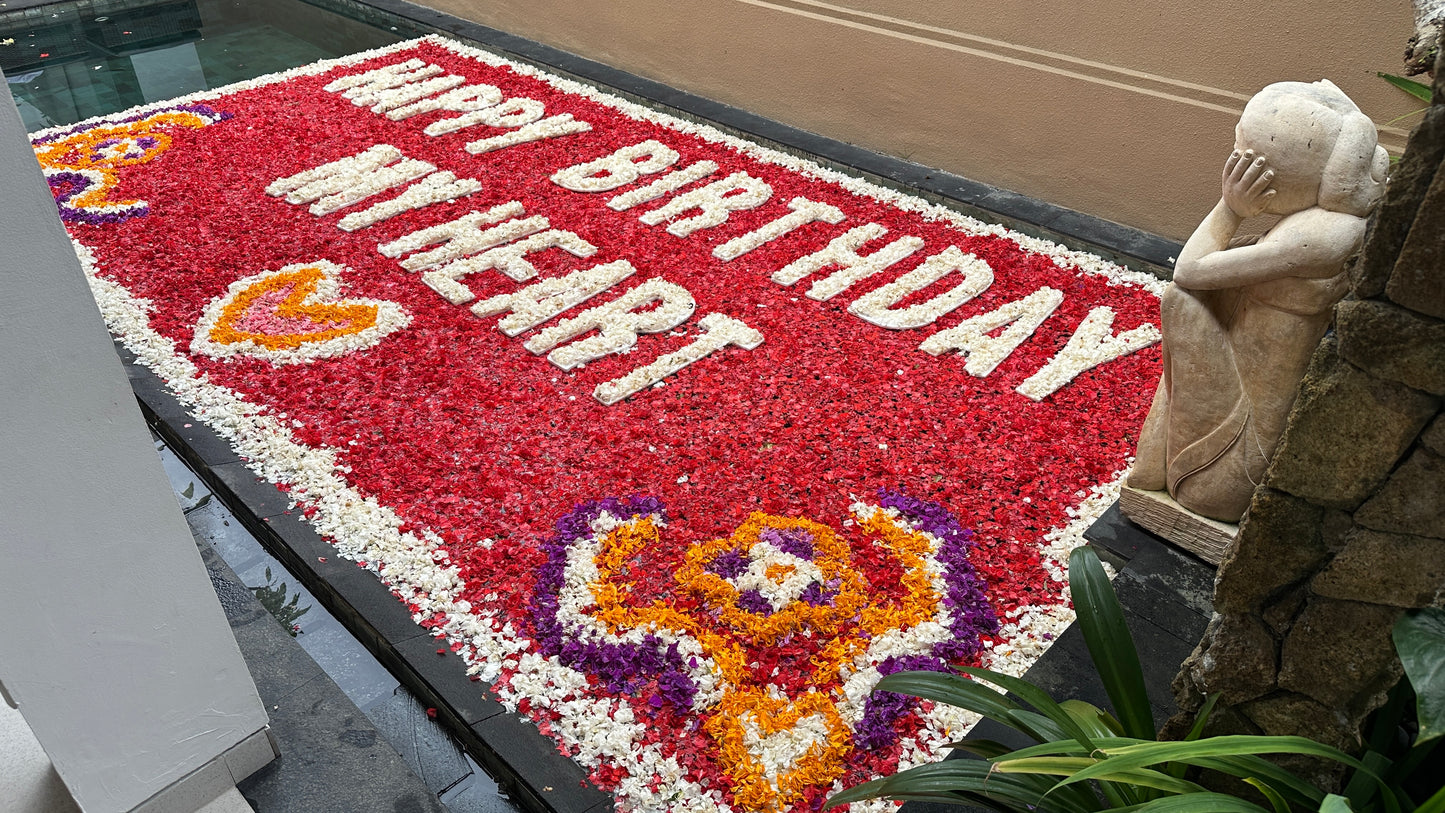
x=1348 y=528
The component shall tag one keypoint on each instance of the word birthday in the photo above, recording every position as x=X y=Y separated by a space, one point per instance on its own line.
x=833 y=431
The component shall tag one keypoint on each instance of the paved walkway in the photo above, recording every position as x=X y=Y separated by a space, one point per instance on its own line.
x=351 y=738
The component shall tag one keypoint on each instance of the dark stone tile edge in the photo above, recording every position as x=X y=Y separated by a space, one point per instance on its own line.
x=1163 y=621
x=525 y=764
x=267 y=647
x=1128 y=246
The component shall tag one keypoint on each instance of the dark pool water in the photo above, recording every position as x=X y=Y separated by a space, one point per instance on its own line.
x=70 y=61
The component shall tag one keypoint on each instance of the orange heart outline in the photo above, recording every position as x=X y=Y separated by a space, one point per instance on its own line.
x=312 y=294
x=758 y=783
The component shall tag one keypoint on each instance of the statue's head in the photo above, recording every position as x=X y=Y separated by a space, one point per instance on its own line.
x=1323 y=150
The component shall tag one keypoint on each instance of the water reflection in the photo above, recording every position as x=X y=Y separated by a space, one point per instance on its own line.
x=272 y=596
x=71 y=61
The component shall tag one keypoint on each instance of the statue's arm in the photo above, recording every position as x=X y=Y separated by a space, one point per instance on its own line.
x=1313 y=243
x=1245 y=192
x=1195 y=267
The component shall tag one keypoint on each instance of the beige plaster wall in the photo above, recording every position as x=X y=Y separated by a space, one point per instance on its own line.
x=1122 y=110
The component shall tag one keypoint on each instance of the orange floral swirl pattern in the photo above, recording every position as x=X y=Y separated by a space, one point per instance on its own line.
x=83 y=165
x=774 y=582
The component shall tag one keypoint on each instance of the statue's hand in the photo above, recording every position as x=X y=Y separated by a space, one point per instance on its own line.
x=1246 y=183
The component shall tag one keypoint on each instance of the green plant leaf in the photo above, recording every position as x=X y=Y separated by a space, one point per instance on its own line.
x=1275 y=799
x=1230 y=745
x=190 y=489
x=962 y=776
x=1146 y=778
x=1385 y=722
x=987 y=749
x=1042 y=728
x=1177 y=769
x=1201 y=803
x=1197 y=730
x=1068 y=747
x=1245 y=747
x=1295 y=790
x=951 y=797
x=1419 y=90
x=954 y=690
x=1072 y=766
x=968 y=694
x=1435 y=804
x=1154 y=753
x=1053 y=766
x=1118 y=795
x=1101 y=619
x=1036 y=697
x=947 y=798
x=1361 y=789
x=1335 y=804
x=1420 y=641
x=1096 y=722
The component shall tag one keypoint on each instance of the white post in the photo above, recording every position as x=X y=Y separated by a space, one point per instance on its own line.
x=112 y=642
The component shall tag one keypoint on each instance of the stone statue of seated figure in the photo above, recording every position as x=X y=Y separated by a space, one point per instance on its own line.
x=1242 y=318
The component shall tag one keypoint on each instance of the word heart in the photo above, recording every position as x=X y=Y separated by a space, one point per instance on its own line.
x=499 y=239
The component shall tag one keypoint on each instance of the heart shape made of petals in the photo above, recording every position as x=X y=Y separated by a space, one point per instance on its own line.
x=775 y=747
x=294 y=315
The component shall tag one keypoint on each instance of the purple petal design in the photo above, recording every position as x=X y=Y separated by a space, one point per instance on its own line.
x=754 y=602
x=203 y=110
x=883 y=709
x=657 y=673
x=623 y=668
x=68 y=184
x=972 y=615
x=796 y=541
x=729 y=565
x=818 y=594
